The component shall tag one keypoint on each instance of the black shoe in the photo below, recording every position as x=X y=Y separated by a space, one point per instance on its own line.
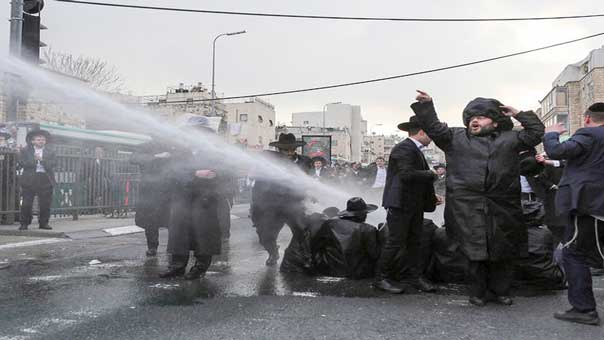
x=273 y=257
x=195 y=273
x=388 y=287
x=23 y=227
x=573 y=315
x=504 y=300
x=421 y=284
x=151 y=252
x=476 y=301
x=46 y=227
x=172 y=272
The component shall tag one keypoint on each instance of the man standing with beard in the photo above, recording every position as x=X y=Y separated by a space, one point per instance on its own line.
x=483 y=211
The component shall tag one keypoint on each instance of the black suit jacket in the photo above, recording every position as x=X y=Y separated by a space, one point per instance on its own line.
x=27 y=161
x=409 y=179
x=581 y=189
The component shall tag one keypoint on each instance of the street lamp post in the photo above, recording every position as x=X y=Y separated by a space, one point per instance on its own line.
x=214 y=67
x=324 y=107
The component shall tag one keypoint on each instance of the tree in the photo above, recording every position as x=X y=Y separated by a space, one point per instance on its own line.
x=98 y=73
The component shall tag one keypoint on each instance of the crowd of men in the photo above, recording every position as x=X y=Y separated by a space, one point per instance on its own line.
x=498 y=190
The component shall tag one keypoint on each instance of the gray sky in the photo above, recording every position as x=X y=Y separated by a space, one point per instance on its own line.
x=153 y=50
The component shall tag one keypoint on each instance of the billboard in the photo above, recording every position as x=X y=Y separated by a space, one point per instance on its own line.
x=317 y=146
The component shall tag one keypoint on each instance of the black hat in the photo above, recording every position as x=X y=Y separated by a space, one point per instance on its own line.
x=356 y=206
x=320 y=159
x=529 y=166
x=411 y=124
x=439 y=165
x=287 y=141
x=596 y=107
x=33 y=133
x=487 y=107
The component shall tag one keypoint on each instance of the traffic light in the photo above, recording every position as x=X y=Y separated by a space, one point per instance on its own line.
x=30 y=36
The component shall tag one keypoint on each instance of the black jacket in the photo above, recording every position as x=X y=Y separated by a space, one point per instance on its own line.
x=408 y=179
x=483 y=211
x=27 y=161
x=581 y=189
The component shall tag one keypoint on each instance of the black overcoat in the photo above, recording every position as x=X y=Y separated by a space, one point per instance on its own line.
x=153 y=200
x=27 y=162
x=483 y=211
x=194 y=221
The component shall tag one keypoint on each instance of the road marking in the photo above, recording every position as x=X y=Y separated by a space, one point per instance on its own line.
x=33 y=243
x=131 y=229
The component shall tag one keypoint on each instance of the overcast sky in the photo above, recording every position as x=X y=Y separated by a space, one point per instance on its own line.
x=154 y=49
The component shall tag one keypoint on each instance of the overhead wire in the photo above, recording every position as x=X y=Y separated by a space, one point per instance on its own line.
x=375 y=80
x=329 y=17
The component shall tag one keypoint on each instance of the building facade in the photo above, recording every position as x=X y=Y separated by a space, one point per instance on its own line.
x=573 y=91
x=251 y=123
x=338 y=117
x=340 y=139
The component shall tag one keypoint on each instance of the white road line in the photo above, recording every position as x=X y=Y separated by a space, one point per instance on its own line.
x=33 y=243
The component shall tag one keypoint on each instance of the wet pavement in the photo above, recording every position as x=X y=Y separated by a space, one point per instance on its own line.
x=105 y=288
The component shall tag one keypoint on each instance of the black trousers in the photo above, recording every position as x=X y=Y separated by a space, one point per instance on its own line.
x=42 y=188
x=152 y=236
x=270 y=220
x=578 y=258
x=404 y=236
x=489 y=277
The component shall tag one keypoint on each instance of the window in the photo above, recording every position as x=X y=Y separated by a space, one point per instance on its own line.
x=260 y=119
x=270 y=122
x=305 y=122
x=243 y=117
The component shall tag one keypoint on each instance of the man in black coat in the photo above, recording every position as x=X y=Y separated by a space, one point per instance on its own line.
x=483 y=211
x=409 y=191
x=197 y=178
x=37 y=179
x=273 y=203
x=153 y=204
x=581 y=198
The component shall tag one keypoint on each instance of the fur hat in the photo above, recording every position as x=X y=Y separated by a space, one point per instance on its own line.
x=487 y=107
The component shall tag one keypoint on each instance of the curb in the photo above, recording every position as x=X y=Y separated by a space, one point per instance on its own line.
x=76 y=234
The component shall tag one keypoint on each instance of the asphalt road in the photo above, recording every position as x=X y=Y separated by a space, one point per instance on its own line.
x=53 y=291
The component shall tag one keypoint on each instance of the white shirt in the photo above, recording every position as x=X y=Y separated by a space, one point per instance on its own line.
x=418 y=144
x=380 y=178
x=525 y=187
x=318 y=172
x=40 y=154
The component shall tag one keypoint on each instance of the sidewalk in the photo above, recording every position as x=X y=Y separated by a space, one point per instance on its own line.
x=87 y=226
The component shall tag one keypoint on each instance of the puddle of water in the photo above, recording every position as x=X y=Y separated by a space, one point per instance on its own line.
x=326 y=279
x=305 y=294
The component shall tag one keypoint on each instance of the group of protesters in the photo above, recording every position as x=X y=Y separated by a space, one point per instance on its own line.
x=502 y=201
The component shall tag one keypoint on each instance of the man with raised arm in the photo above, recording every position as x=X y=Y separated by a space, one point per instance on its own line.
x=483 y=211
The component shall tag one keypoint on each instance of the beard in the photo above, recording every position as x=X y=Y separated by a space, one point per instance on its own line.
x=484 y=131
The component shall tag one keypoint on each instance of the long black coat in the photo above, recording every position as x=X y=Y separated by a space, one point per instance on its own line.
x=269 y=194
x=409 y=180
x=153 y=201
x=27 y=162
x=483 y=211
x=194 y=221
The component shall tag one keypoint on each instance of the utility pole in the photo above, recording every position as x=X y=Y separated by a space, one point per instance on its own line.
x=16 y=32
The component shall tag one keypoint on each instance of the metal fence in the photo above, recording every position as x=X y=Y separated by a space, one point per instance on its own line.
x=89 y=181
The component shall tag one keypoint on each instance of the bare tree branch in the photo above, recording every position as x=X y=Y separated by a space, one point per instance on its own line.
x=98 y=73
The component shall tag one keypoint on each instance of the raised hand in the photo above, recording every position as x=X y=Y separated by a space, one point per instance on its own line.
x=509 y=110
x=423 y=97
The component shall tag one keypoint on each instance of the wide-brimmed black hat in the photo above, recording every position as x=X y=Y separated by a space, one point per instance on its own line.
x=38 y=132
x=411 y=124
x=287 y=141
x=356 y=206
x=529 y=166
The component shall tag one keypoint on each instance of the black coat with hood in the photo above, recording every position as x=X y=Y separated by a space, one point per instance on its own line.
x=483 y=211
